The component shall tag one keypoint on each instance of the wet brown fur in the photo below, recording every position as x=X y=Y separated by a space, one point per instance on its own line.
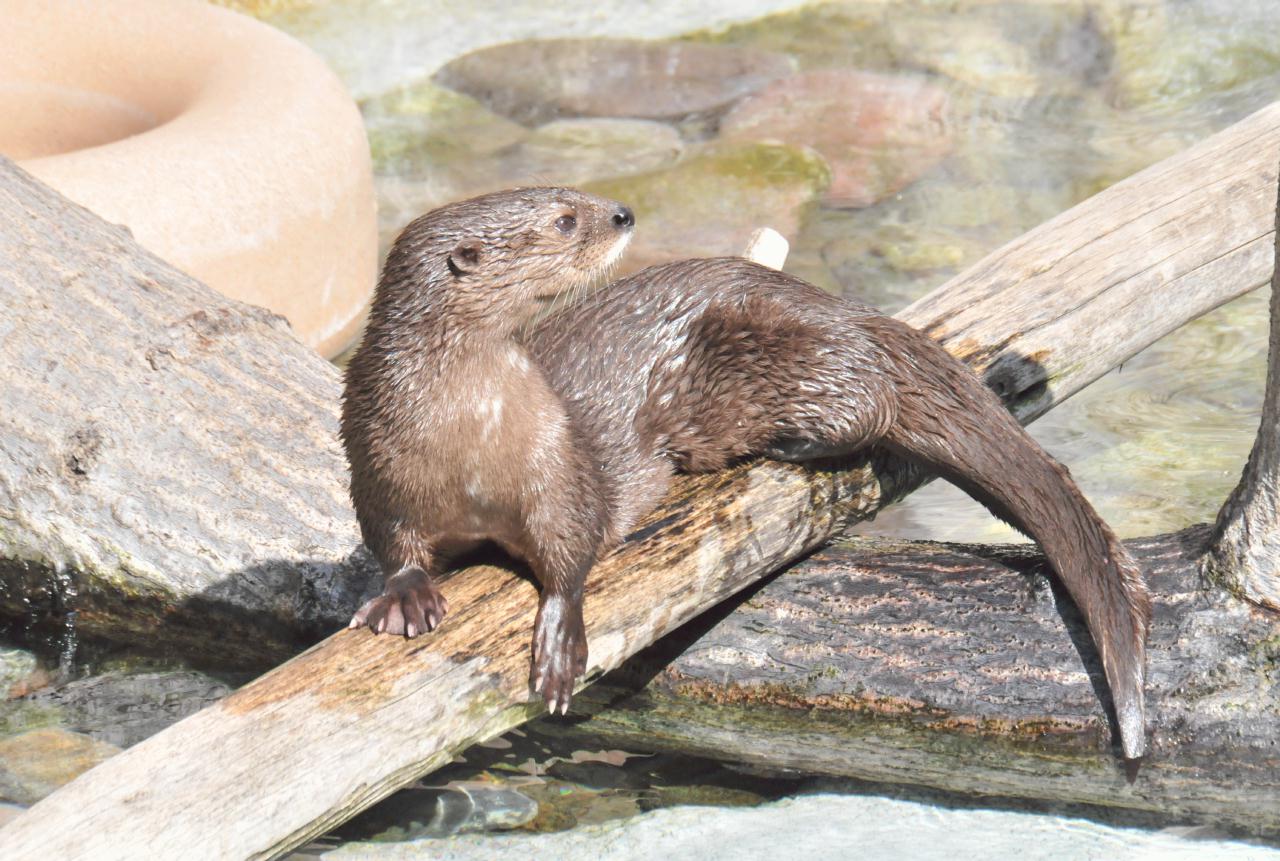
x=454 y=435
x=690 y=365
x=697 y=363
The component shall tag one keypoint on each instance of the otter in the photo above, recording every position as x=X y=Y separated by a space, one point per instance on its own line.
x=454 y=435
x=690 y=366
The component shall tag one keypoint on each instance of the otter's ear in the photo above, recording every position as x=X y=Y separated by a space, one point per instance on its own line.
x=464 y=257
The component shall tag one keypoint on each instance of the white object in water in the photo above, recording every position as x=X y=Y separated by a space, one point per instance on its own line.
x=767 y=247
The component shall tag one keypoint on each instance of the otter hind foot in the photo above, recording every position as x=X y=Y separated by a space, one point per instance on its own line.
x=559 y=652
x=410 y=604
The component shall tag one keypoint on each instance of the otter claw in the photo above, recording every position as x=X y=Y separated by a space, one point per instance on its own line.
x=410 y=605
x=559 y=652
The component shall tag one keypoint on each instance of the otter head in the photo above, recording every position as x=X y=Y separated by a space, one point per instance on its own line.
x=503 y=257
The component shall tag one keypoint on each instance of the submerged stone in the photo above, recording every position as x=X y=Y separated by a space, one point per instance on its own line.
x=879 y=133
x=422 y=126
x=970 y=49
x=441 y=812
x=565 y=152
x=16 y=668
x=536 y=81
x=572 y=152
x=35 y=763
x=911 y=249
x=122 y=709
x=1174 y=57
x=265 y=8
x=823 y=35
x=709 y=204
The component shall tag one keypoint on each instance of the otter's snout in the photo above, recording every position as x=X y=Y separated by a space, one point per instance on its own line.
x=624 y=218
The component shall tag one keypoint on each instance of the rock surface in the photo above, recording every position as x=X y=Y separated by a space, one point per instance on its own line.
x=16 y=668
x=965 y=669
x=711 y=202
x=122 y=709
x=879 y=133
x=610 y=78
x=34 y=764
x=170 y=471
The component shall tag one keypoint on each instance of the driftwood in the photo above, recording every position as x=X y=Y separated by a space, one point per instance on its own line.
x=938 y=665
x=169 y=464
x=344 y=724
x=1245 y=556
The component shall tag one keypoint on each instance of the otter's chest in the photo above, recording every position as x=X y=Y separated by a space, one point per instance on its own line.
x=479 y=454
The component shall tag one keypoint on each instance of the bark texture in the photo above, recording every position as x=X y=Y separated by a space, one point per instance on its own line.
x=169 y=464
x=360 y=716
x=1245 y=556
x=967 y=669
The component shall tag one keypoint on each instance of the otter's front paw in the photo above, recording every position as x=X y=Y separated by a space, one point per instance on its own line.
x=559 y=652
x=410 y=604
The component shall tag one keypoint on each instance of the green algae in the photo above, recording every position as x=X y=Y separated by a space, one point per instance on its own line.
x=827 y=35
x=422 y=125
x=749 y=166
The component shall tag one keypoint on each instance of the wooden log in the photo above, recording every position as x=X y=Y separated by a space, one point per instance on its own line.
x=170 y=471
x=346 y=723
x=966 y=669
x=1245 y=553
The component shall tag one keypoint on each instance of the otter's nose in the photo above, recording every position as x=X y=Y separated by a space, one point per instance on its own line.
x=624 y=219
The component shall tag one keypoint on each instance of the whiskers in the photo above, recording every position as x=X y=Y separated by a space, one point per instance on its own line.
x=581 y=284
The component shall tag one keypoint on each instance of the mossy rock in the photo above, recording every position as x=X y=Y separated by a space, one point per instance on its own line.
x=421 y=126
x=710 y=202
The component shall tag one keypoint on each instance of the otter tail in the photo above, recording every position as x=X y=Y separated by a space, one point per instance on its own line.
x=987 y=453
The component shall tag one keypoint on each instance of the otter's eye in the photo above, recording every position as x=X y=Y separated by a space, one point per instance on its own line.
x=566 y=223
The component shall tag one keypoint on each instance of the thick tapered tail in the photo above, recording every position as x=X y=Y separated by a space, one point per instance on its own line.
x=966 y=435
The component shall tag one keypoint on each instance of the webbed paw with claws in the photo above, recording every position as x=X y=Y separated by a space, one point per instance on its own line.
x=410 y=604
x=559 y=652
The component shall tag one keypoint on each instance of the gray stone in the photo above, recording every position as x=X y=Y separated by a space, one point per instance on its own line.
x=16 y=666
x=35 y=763
x=439 y=812
x=122 y=709
x=537 y=81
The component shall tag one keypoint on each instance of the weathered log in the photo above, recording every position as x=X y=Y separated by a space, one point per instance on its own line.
x=1245 y=553
x=169 y=464
x=939 y=665
x=362 y=715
